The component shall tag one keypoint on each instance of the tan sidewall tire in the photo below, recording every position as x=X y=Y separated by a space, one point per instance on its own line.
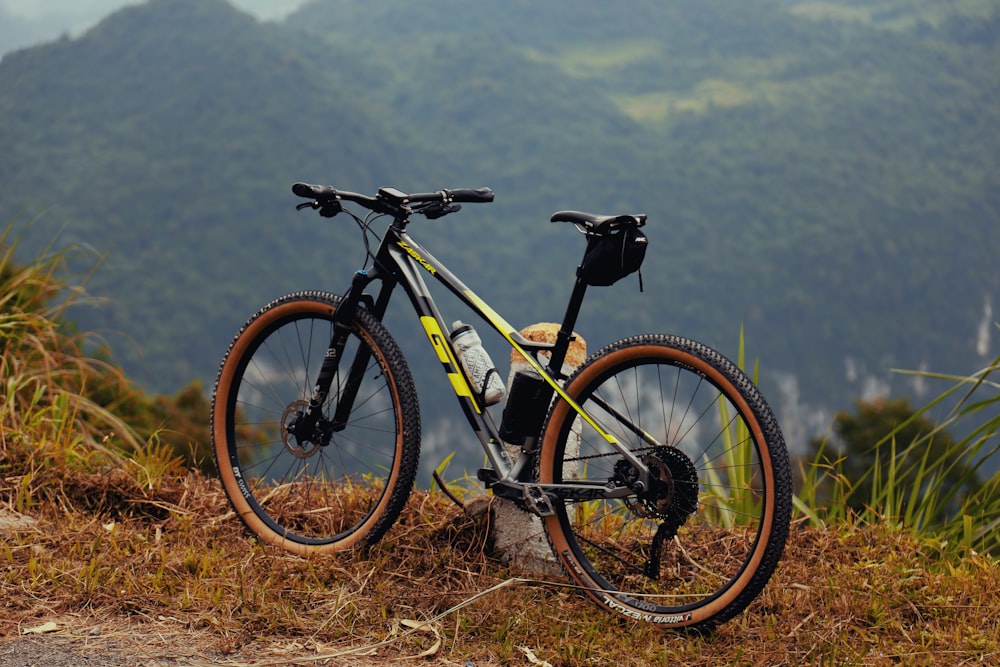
x=560 y=544
x=227 y=474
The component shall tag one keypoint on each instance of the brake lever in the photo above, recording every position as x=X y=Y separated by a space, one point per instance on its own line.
x=439 y=210
x=327 y=209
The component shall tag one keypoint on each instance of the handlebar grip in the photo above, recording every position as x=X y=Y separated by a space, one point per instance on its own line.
x=469 y=196
x=314 y=191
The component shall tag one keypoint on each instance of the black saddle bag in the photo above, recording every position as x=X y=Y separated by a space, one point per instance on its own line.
x=615 y=249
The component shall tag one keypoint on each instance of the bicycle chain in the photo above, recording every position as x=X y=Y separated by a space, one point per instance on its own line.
x=607 y=454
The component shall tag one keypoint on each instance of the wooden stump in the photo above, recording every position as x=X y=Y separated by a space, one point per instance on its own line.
x=518 y=537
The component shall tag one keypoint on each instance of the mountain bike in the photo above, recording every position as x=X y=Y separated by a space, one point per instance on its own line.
x=658 y=470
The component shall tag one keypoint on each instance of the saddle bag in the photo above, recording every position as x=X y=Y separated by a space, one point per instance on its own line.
x=615 y=249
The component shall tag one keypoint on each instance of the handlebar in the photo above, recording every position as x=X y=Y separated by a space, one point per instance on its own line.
x=477 y=196
x=390 y=200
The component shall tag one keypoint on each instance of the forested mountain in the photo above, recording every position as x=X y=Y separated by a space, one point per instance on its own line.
x=824 y=174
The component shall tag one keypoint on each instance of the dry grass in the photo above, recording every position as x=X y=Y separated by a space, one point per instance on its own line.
x=165 y=573
x=109 y=544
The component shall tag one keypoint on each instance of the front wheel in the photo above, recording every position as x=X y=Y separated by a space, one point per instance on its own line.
x=697 y=543
x=344 y=482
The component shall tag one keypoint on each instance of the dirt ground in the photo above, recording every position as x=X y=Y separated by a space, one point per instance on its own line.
x=63 y=651
x=121 y=643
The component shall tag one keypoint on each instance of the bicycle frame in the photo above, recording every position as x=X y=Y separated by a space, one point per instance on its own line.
x=401 y=260
x=323 y=463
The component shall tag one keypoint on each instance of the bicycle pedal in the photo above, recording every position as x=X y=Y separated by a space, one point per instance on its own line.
x=537 y=501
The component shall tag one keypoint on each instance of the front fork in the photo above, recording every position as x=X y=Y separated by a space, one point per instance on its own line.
x=309 y=425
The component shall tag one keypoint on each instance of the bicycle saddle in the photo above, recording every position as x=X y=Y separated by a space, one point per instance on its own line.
x=591 y=220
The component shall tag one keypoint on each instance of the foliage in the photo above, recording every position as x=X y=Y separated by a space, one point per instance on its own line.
x=913 y=479
x=793 y=165
x=64 y=401
x=887 y=437
x=179 y=422
x=44 y=374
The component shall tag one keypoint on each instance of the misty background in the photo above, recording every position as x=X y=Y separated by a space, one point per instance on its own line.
x=28 y=22
x=821 y=175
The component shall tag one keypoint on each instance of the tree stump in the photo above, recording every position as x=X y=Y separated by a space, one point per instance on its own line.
x=517 y=536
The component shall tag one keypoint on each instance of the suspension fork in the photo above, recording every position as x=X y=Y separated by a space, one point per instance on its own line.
x=343 y=322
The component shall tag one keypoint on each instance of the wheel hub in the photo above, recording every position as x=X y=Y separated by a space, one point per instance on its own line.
x=672 y=495
x=300 y=440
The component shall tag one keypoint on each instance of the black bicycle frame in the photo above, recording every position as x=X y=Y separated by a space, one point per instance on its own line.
x=401 y=260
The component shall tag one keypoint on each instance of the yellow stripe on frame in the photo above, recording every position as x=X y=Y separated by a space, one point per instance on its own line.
x=437 y=337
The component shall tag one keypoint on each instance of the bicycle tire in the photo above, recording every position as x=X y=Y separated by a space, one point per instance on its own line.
x=700 y=544
x=309 y=497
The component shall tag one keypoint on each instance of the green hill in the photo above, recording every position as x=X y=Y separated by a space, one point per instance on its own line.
x=824 y=174
x=169 y=136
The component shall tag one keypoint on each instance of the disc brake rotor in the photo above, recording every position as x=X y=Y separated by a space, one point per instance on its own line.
x=305 y=446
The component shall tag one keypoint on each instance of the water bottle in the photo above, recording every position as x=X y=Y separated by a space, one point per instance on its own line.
x=477 y=364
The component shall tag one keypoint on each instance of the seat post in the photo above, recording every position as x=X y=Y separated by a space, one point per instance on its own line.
x=565 y=334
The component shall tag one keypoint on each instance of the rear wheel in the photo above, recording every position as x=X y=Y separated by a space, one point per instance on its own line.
x=337 y=485
x=696 y=545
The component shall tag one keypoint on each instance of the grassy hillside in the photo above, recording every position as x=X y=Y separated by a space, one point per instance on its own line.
x=829 y=182
x=176 y=580
x=151 y=139
x=114 y=552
